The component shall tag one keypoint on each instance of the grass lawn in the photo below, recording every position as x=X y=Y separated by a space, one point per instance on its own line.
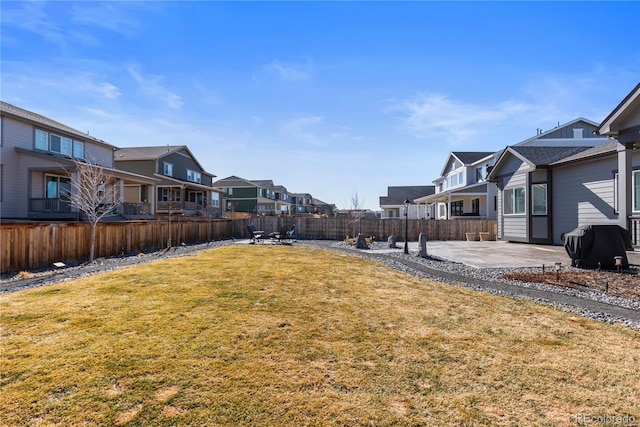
x=284 y=335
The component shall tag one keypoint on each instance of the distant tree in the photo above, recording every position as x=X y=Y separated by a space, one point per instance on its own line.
x=356 y=203
x=93 y=193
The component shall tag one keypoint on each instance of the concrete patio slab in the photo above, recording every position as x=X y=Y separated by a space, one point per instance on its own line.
x=493 y=254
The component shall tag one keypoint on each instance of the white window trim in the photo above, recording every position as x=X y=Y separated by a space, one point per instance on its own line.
x=546 y=200
x=168 y=167
x=513 y=207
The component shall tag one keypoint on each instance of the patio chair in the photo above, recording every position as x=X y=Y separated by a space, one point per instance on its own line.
x=254 y=234
x=285 y=235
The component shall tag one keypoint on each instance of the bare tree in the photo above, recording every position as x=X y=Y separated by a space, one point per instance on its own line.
x=93 y=193
x=356 y=202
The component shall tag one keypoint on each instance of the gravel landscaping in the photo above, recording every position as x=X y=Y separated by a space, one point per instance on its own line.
x=579 y=293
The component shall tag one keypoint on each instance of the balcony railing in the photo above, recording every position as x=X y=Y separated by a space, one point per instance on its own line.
x=169 y=207
x=48 y=205
x=136 y=209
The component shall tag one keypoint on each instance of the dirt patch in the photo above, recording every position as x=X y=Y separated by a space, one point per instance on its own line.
x=625 y=284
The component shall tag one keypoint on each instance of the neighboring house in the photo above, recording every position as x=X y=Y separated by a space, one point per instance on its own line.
x=283 y=200
x=536 y=190
x=323 y=208
x=262 y=197
x=576 y=133
x=37 y=167
x=301 y=203
x=243 y=195
x=544 y=192
x=183 y=187
x=461 y=189
x=392 y=205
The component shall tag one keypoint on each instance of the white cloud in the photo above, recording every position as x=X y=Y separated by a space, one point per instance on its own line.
x=153 y=87
x=304 y=128
x=291 y=71
x=109 y=16
x=32 y=17
x=436 y=116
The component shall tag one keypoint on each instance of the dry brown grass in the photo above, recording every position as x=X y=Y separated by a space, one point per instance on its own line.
x=281 y=335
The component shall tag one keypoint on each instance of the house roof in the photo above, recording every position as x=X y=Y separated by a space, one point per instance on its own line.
x=611 y=125
x=469 y=157
x=147 y=153
x=12 y=110
x=153 y=153
x=233 y=181
x=608 y=148
x=536 y=156
x=397 y=195
x=263 y=183
x=547 y=134
x=542 y=156
x=465 y=157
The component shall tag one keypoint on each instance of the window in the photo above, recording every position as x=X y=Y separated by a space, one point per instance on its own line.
x=457 y=208
x=475 y=206
x=479 y=175
x=58 y=144
x=57 y=187
x=636 y=191
x=42 y=140
x=454 y=180
x=167 y=194
x=514 y=201
x=194 y=176
x=168 y=169
x=230 y=191
x=539 y=192
x=78 y=149
x=443 y=210
x=461 y=178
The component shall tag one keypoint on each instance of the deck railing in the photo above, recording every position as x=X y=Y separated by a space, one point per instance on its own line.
x=49 y=205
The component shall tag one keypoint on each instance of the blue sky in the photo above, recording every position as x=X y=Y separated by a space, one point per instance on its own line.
x=328 y=98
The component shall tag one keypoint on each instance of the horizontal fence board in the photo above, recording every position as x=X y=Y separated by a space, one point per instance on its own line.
x=30 y=245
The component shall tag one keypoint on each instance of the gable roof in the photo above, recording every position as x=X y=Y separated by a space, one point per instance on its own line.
x=605 y=149
x=542 y=156
x=153 y=153
x=147 y=153
x=535 y=156
x=30 y=116
x=540 y=137
x=397 y=195
x=465 y=157
x=611 y=125
x=264 y=183
x=469 y=157
x=233 y=181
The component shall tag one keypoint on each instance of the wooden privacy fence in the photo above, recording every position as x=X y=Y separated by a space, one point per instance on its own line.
x=381 y=229
x=34 y=245
x=28 y=245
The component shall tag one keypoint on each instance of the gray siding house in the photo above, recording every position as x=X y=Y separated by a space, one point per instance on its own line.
x=37 y=166
x=623 y=125
x=544 y=192
x=183 y=187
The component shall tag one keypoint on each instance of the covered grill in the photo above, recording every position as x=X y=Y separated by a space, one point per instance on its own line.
x=596 y=246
